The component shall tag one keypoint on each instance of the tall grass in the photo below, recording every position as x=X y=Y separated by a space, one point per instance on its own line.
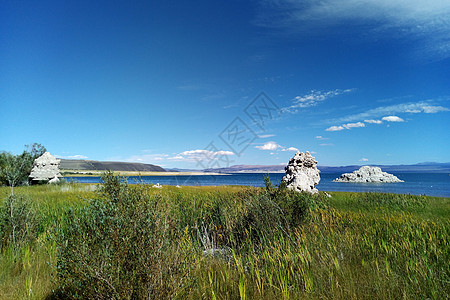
x=132 y=241
x=27 y=264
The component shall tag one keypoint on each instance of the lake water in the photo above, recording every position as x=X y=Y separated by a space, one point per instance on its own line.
x=431 y=184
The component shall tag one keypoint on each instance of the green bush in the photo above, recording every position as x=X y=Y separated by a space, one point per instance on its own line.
x=113 y=248
x=296 y=206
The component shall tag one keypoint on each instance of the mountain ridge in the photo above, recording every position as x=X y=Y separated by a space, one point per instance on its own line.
x=94 y=165
x=426 y=167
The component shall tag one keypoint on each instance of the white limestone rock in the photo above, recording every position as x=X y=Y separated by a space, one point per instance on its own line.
x=302 y=174
x=368 y=174
x=45 y=168
x=158 y=186
x=54 y=180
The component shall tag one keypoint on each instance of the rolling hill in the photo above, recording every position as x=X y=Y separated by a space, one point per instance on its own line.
x=93 y=165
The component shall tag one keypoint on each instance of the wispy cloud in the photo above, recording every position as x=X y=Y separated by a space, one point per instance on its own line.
x=429 y=109
x=392 y=119
x=186 y=156
x=345 y=126
x=199 y=155
x=354 y=125
x=411 y=107
x=326 y=144
x=205 y=152
x=319 y=137
x=373 y=121
x=290 y=149
x=364 y=159
x=312 y=99
x=266 y=136
x=427 y=22
x=147 y=158
x=76 y=156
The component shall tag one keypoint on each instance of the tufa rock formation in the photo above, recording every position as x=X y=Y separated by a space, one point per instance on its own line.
x=46 y=168
x=368 y=174
x=302 y=173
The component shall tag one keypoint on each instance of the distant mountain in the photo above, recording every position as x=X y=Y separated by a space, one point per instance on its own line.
x=92 y=165
x=249 y=169
x=427 y=167
x=181 y=170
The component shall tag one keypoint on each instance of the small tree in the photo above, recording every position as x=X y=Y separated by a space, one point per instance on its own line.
x=15 y=169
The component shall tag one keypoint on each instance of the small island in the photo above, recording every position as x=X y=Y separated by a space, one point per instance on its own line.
x=368 y=174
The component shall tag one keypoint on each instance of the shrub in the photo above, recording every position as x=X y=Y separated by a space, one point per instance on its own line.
x=296 y=206
x=115 y=247
x=18 y=222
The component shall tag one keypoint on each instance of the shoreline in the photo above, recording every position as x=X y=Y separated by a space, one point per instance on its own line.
x=94 y=173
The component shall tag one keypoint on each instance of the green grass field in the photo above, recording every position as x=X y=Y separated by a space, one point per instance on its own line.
x=134 y=241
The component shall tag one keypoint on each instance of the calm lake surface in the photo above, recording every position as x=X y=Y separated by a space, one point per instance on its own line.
x=431 y=184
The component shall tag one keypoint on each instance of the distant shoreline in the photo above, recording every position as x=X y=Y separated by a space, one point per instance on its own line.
x=92 y=173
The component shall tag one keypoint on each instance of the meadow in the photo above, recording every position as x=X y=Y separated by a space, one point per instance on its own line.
x=132 y=241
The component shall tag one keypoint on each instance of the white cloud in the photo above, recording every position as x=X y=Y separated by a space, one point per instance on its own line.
x=392 y=119
x=425 y=22
x=266 y=136
x=326 y=144
x=221 y=152
x=354 y=125
x=200 y=154
x=312 y=99
x=335 y=128
x=189 y=156
x=177 y=158
x=269 y=146
x=319 y=137
x=195 y=152
x=147 y=158
x=373 y=121
x=290 y=149
x=364 y=159
x=346 y=126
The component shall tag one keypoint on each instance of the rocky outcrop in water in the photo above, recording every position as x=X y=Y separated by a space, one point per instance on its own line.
x=46 y=168
x=302 y=174
x=368 y=174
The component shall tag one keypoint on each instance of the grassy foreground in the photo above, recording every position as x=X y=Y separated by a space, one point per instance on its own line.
x=134 y=241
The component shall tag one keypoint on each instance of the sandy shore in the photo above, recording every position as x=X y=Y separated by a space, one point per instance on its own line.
x=80 y=173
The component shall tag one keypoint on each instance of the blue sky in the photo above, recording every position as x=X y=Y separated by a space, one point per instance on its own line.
x=168 y=82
